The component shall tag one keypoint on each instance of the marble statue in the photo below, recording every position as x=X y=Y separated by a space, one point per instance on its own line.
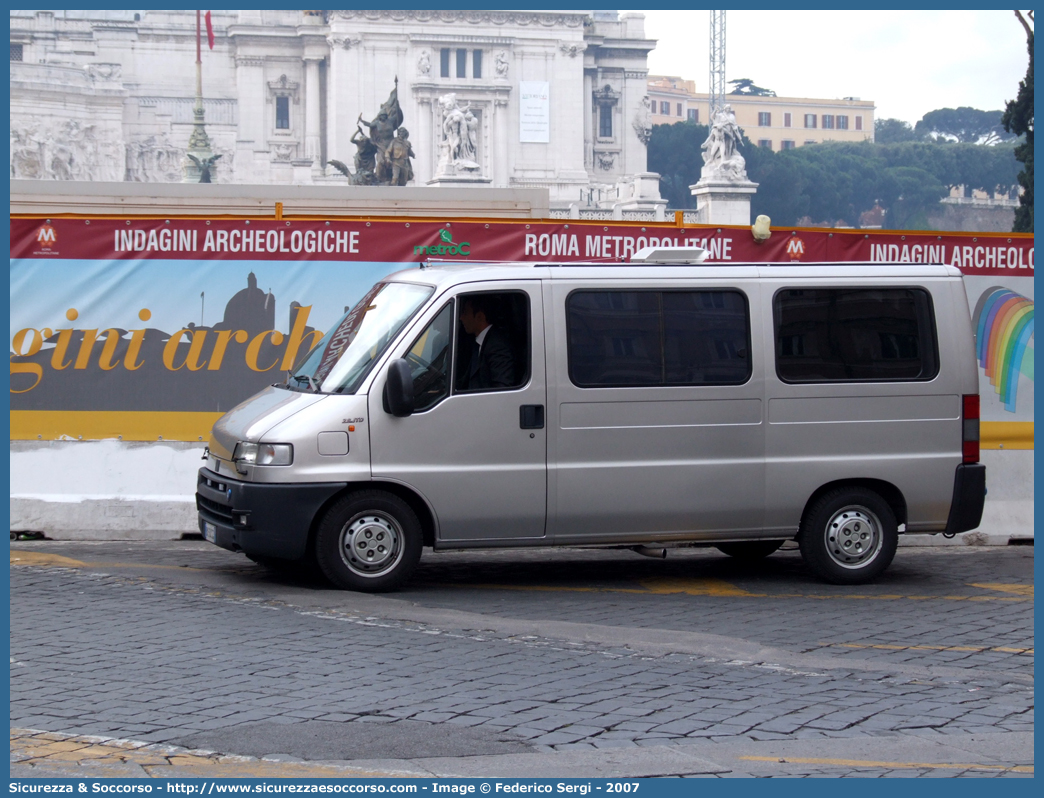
x=721 y=157
x=642 y=122
x=459 y=135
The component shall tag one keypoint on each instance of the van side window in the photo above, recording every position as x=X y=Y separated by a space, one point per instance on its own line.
x=634 y=338
x=429 y=361
x=493 y=349
x=855 y=335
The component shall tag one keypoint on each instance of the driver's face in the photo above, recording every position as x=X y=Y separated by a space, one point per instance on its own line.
x=473 y=323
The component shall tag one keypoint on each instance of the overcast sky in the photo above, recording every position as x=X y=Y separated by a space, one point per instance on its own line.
x=907 y=62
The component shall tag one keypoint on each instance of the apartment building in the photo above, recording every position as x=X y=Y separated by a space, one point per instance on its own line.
x=778 y=123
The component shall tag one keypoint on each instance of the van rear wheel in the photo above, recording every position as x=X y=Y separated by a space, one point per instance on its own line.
x=750 y=549
x=849 y=536
x=369 y=541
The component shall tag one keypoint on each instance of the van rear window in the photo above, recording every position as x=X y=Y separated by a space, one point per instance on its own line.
x=854 y=335
x=635 y=338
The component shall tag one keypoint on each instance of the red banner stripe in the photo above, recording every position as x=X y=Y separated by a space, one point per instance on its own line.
x=413 y=241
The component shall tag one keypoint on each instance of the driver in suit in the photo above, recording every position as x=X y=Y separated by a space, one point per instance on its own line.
x=492 y=362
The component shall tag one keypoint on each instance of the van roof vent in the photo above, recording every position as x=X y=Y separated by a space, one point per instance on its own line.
x=674 y=255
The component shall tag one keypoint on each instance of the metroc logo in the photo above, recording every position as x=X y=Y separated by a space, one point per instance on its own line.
x=795 y=248
x=46 y=237
x=447 y=247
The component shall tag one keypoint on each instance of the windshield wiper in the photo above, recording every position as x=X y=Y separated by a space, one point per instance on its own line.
x=298 y=378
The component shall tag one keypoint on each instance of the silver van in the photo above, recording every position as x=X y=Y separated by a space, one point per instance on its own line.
x=641 y=405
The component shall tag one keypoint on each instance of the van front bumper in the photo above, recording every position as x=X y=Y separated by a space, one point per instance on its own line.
x=969 y=496
x=263 y=519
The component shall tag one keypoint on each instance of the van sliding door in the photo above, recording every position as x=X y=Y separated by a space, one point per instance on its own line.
x=657 y=412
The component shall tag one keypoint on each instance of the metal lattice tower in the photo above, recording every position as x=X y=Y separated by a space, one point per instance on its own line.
x=717 y=62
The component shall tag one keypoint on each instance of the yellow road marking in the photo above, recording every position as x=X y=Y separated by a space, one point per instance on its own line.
x=870 y=763
x=713 y=587
x=658 y=586
x=694 y=587
x=1004 y=587
x=102 y=757
x=896 y=647
x=46 y=559
x=20 y=557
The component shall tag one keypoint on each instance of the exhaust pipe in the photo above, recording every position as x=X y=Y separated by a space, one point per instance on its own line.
x=658 y=553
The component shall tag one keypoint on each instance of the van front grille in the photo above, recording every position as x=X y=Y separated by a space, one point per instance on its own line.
x=213 y=484
x=212 y=498
x=222 y=511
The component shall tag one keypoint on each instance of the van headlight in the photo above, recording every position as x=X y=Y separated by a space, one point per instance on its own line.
x=265 y=454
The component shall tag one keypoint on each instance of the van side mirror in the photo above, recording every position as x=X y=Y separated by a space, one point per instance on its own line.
x=398 y=390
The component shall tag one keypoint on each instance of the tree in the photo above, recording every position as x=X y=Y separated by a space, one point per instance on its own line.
x=674 y=152
x=915 y=191
x=746 y=86
x=836 y=182
x=963 y=124
x=893 y=131
x=1018 y=119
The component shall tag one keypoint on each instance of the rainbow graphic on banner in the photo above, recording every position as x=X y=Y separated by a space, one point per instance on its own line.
x=1003 y=334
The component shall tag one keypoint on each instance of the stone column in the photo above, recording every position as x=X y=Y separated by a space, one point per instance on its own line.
x=251 y=136
x=589 y=129
x=500 y=142
x=423 y=143
x=311 y=141
x=342 y=95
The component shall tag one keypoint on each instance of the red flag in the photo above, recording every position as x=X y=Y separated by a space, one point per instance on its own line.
x=210 y=30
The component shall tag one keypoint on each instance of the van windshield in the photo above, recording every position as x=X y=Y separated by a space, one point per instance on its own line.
x=342 y=359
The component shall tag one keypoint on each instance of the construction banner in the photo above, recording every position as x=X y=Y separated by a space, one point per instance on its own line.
x=150 y=328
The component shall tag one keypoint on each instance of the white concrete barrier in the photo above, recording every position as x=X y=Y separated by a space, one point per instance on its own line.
x=117 y=490
x=104 y=490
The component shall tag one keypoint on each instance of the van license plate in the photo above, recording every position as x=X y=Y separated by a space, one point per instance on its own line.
x=209 y=532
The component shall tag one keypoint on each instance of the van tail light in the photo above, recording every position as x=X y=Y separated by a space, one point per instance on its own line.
x=970 y=423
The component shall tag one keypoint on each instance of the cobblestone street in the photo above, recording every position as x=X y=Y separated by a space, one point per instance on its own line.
x=697 y=665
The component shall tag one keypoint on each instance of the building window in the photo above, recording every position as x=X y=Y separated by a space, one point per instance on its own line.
x=859 y=123
x=787 y=120
x=444 y=62
x=810 y=141
x=16 y=52
x=679 y=109
x=828 y=121
x=694 y=115
x=665 y=108
x=764 y=119
x=282 y=113
x=787 y=144
x=462 y=63
x=476 y=64
x=842 y=122
x=810 y=120
x=605 y=100
x=766 y=143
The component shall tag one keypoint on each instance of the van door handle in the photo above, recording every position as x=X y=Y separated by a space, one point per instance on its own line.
x=531 y=417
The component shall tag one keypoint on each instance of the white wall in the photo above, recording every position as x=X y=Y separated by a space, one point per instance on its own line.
x=104 y=490
x=115 y=490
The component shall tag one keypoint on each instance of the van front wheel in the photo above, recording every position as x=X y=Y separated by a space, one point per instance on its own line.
x=849 y=536
x=369 y=541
